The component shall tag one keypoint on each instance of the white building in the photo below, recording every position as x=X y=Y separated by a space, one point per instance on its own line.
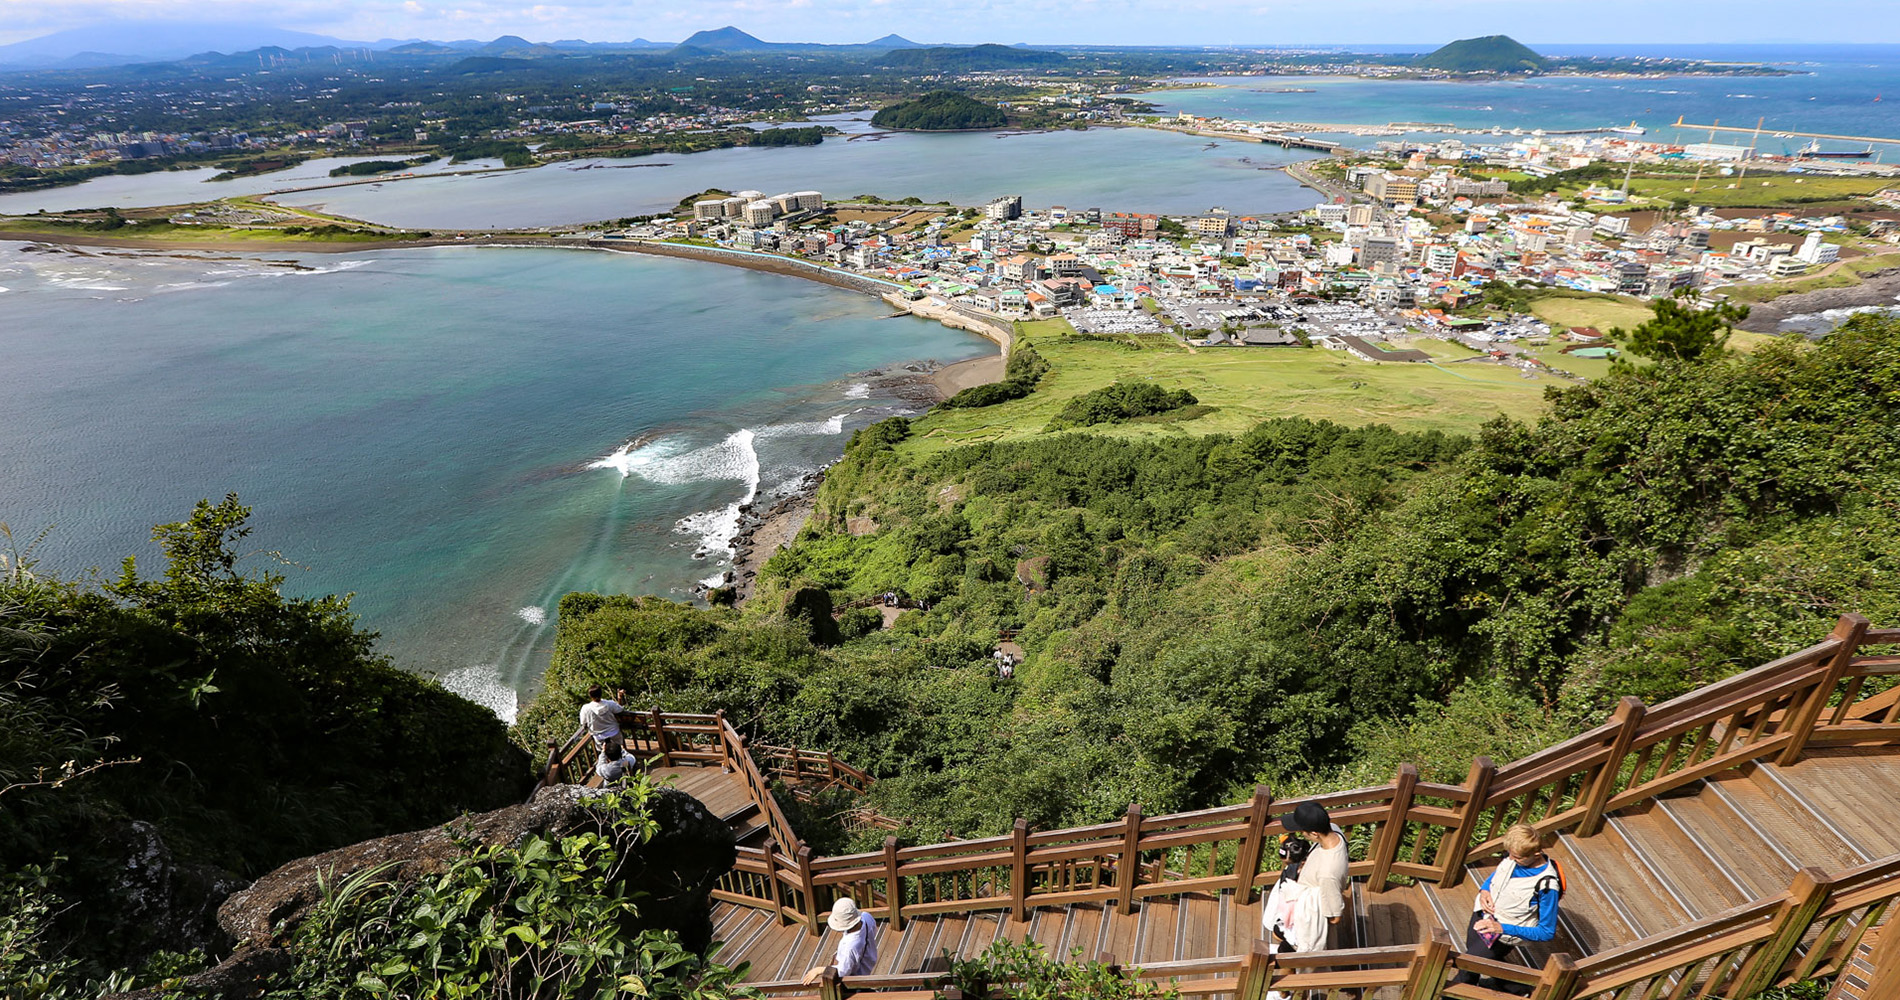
x=1814 y=250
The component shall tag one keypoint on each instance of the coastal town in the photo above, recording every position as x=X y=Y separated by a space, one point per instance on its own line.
x=1420 y=240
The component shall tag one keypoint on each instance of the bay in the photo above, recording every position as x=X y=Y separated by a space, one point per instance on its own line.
x=1833 y=90
x=442 y=431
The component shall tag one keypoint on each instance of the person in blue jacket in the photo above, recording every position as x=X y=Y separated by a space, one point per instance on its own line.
x=1517 y=902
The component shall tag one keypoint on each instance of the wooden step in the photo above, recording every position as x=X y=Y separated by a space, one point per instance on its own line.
x=1629 y=885
x=1800 y=798
x=1784 y=820
x=1853 y=791
x=1744 y=851
x=1692 y=876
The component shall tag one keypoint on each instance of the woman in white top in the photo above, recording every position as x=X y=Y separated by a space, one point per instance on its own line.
x=1317 y=896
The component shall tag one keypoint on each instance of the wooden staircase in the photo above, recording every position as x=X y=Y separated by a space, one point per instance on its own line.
x=1742 y=836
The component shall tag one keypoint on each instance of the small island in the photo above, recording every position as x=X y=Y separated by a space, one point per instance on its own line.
x=1489 y=54
x=940 y=111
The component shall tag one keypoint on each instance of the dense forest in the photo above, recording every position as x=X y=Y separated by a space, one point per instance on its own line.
x=1304 y=604
x=940 y=111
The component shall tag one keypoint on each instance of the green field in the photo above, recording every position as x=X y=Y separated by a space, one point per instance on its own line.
x=1763 y=191
x=1241 y=386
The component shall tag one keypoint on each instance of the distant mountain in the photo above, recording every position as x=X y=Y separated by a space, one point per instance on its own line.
x=124 y=42
x=1490 y=54
x=420 y=49
x=507 y=43
x=892 y=42
x=726 y=39
x=968 y=58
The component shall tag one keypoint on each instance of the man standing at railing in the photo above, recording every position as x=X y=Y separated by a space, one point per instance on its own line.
x=857 y=949
x=600 y=717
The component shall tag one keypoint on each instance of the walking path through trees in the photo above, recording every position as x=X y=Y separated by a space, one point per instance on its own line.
x=1743 y=835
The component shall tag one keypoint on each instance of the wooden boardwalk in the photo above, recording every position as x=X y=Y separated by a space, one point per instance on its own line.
x=1741 y=836
x=1652 y=868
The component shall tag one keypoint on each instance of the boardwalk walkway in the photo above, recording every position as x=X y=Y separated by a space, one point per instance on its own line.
x=1744 y=835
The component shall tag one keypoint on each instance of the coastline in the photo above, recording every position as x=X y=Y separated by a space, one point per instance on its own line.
x=762 y=533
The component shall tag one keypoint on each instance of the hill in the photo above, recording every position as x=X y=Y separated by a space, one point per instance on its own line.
x=940 y=111
x=726 y=39
x=1490 y=54
x=966 y=58
x=892 y=41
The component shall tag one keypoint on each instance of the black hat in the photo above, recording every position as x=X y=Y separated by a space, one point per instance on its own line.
x=1308 y=817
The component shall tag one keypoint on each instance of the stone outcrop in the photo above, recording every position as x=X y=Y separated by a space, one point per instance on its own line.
x=671 y=874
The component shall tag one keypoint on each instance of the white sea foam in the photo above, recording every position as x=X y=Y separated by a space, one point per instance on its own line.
x=483 y=686
x=809 y=428
x=533 y=615
x=858 y=390
x=663 y=461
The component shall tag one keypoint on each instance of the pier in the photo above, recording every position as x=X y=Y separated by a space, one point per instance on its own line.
x=1782 y=133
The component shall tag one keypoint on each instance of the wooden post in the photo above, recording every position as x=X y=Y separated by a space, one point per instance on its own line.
x=1392 y=832
x=772 y=882
x=830 y=984
x=1627 y=719
x=1804 y=900
x=658 y=722
x=1451 y=868
x=725 y=743
x=1559 y=981
x=1256 y=973
x=1851 y=629
x=1108 y=961
x=1019 y=871
x=1128 y=869
x=551 y=774
x=809 y=888
x=893 y=884
x=1427 y=976
x=1254 y=845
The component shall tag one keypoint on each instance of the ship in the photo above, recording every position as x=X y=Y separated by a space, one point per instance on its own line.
x=1631 y=129
x=1813 y=151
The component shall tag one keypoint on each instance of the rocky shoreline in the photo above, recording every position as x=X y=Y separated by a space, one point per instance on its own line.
x=1877 y=288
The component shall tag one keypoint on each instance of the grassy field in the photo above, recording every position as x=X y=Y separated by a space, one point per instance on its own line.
x=1600 y=311
x=1239 y=387
x=1760 y=191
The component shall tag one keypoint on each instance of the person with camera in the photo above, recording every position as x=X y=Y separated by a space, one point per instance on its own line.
x=1310 y=894
x=1517 y=902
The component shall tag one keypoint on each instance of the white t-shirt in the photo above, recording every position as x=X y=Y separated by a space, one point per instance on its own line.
x=611 y=769
x=598 y=718
x=857 y=950
x=1326 y=870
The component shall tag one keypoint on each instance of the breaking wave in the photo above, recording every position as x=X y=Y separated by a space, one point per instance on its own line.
x=483 y=686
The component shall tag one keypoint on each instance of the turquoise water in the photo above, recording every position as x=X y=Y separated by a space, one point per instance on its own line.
x=1834 y=93
x=441 y=431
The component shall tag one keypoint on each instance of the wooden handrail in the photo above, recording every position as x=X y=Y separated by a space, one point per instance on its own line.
x=1427 y=831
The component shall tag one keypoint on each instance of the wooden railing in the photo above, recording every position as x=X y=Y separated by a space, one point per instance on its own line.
x=1831 y=694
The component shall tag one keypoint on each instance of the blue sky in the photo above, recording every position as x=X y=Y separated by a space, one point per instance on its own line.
x=1035 y=21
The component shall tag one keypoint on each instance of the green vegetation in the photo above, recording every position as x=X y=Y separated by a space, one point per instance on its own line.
x=1489 y=54
x=1845 y=274
x=1239 y=388
x=553 y=918
x=1119 y=402
x=940 y=111
x=1020 y=374
x=1298 y=603
x=1678 y=332
x=511 y=154
x=1009 y=970
x=809 y=136
x=240 y=727
x=370 y=168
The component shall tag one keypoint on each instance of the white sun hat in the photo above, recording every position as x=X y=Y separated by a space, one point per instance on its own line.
x=844 y=915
